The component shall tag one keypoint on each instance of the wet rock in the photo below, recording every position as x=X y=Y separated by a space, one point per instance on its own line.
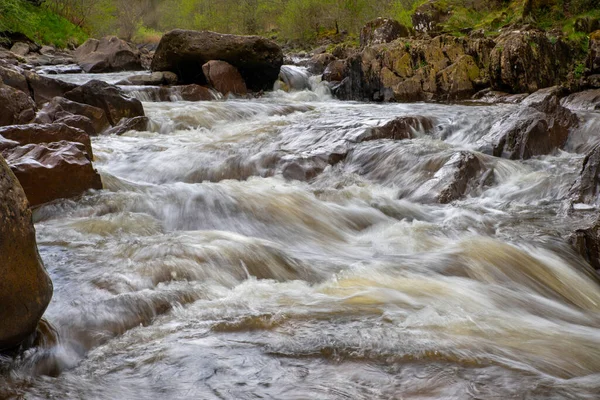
x=109 y=98
x=17 y=107
x=428 y=17
x=585 y=188
x=588 y=100
x=108 y=54
x=382 y=30
x=53 y=171
x=490 y=96
x=46 y=133
x=153 y=79
x=398 y=129
x=129 y=124
x=586 y=241
x=224 y=77
x=25 y=287
x=462 y=172
x=539 y=127
x=43 y=89
x=525 y=61
x=7 y=144
x=58 y=106
x=317 y=64
x=336 y=71
x=257 y=59
x=76 y=121
x=20 y=49
x=190 y=93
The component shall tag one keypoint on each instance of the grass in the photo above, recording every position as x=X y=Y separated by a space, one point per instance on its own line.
x=38 y=24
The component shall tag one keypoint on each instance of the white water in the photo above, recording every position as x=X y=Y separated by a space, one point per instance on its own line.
x=201 y=272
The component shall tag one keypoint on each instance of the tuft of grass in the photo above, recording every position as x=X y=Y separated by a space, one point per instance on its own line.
x=144 y=35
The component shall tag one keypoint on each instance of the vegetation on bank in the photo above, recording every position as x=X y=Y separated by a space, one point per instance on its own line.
x=302 y=21
x=38 y=23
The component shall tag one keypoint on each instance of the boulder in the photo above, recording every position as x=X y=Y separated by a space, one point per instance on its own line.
x=110 y=98
x=525 y=61
x=48 y=50
x=76 y=121
x=457 y=82
x=185 y=52
x=190 y=93
x=593 y=61
x=52 y=171
x=60 y=106
x=336 y=71
x=588 y=100
x=20 y=49
x=382 y=30
x=398 y=129
x=18 y=107
x=46 y=133
x=13 y=76
x=429 y=17
x=541 y=126
x=317 y=64
x=25 y=287
x=224 y=77
x=585 y=188
x=43 y=89
x=108 y=54
x=139 y=124
x=586 y=242
x=153 y=79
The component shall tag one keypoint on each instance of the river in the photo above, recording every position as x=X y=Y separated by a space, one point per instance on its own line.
x=201 y=272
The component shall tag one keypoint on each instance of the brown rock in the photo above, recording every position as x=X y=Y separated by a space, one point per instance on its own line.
x=109 y=98
x=594 y=53
x=336 y=71
x=108 y=54
x=586 y=242
x=184 y=52
x=585 y=188
x=46 y=133
x=53 y=171
x=224 y=77
x=20 y=49
x=13 y=76
x=192 y=92
x=60 y=105
x=76 y=121
x=44 y=89
x=457 y=82
x=382 y=30
x=129 y=124
x=25 y=287
x=399 y=128
x=317 y=64
x=18 y=107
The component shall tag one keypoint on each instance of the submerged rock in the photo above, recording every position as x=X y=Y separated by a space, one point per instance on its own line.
x=185 y=52
x=25 y=287
x=52 y=171
x=109 y=98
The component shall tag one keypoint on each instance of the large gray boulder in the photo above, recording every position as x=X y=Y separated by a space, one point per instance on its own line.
x=108 y=54
x=185 y=52
x=25 y=287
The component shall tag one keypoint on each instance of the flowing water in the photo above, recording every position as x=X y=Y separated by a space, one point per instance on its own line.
x=201 y=272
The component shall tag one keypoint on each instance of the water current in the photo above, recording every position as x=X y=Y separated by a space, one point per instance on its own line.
x=203 y=271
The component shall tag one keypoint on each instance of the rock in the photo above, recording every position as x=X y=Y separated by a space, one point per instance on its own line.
x=153 y=79
x=457 y=82
x=588 y=100
x=541 y=126
x=593 y=61
x=428 y=17
x=317 y=64
x=76 y=121
x=109 y=98
x=586 y=242
x=490 y=96
x=525 y=61
x=25 y=287
x=586 y=24
x=398 y=129
x=257 y=59
x=191 y=93
x=18 y=107
x=382 y=30
x=129 y=124
x=336 y=71
x=585 y=188
x=14 y=77
x=48 y=50
x=224 y=77
x=53 y=171
x=58 y=106
x=462 y=171
x=7 y=144
x=43 y=89
x=108 y=54
x=20 y=49
x=46 y=133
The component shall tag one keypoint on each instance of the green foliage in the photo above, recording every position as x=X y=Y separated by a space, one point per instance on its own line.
x=579 y=70
x=38 y=23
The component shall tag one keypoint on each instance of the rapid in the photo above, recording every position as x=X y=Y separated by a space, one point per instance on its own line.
x=207 y=270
